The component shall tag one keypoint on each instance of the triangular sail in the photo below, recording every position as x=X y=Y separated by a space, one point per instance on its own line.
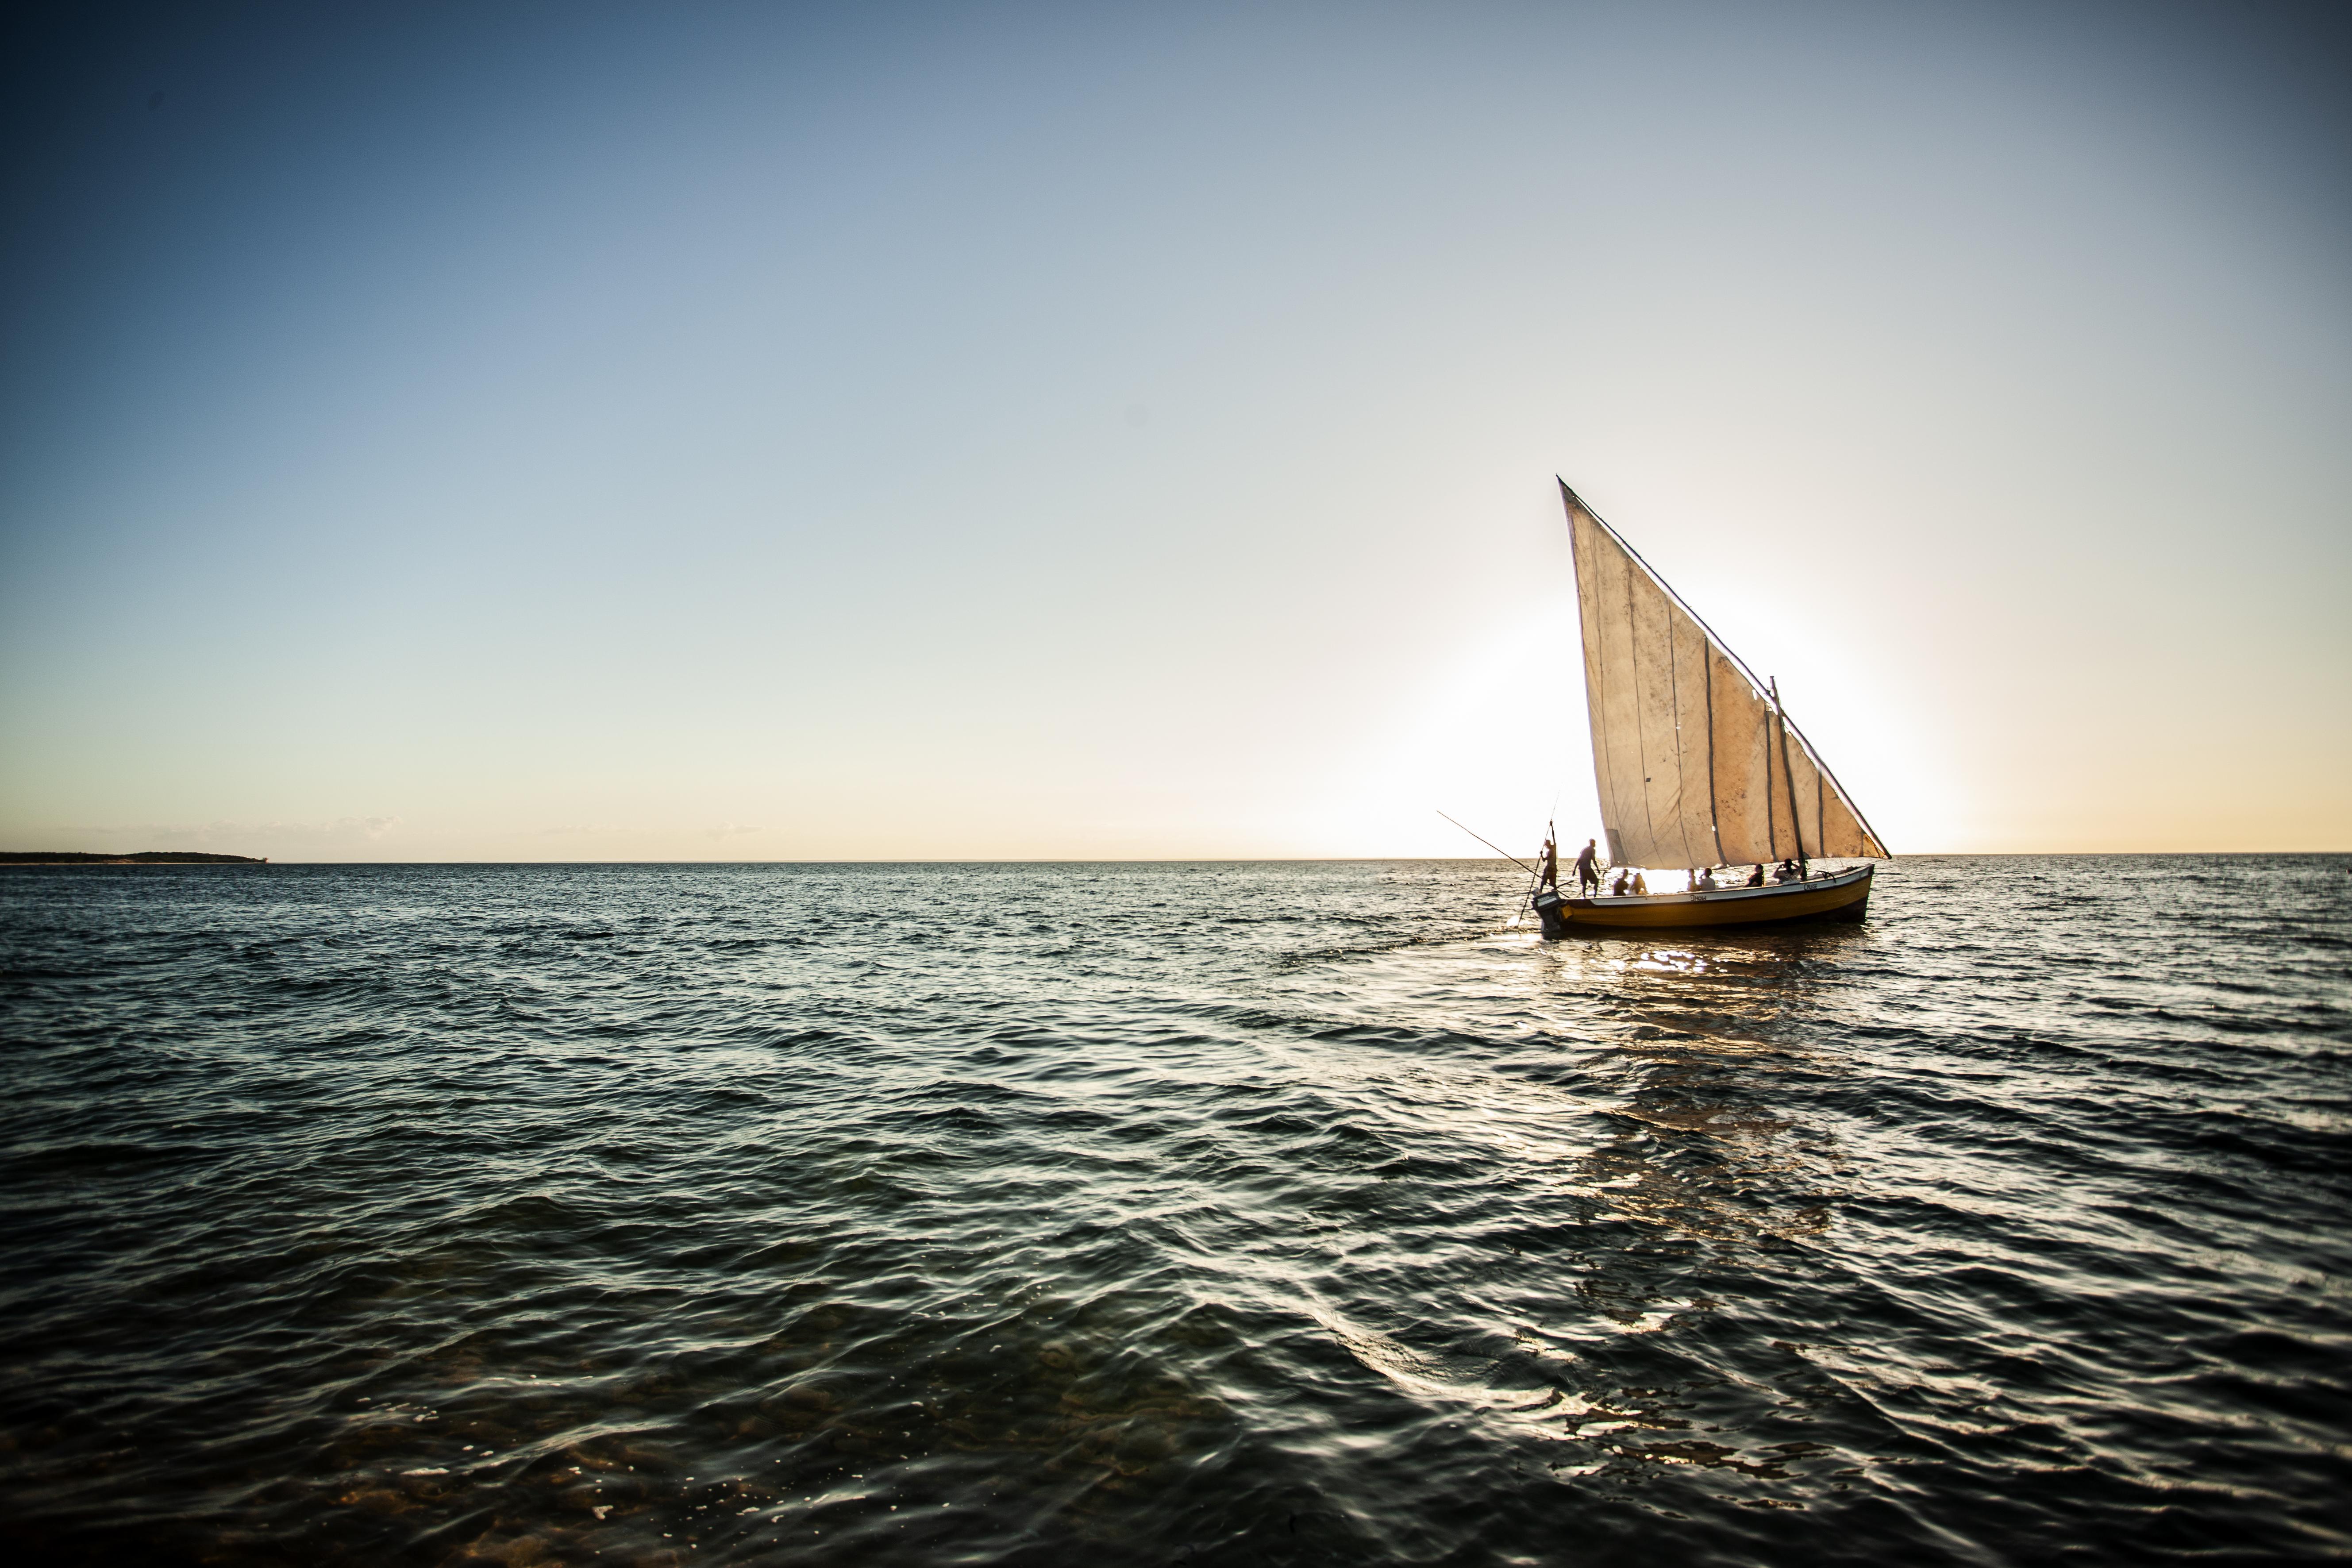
x=1696 y=765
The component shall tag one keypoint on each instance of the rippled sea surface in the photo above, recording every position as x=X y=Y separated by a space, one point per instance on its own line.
x=1172 y=1214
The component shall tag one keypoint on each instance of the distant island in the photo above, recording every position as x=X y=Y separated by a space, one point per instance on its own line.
x=144 y=858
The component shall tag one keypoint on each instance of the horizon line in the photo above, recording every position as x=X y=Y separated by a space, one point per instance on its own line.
x=1123 y=860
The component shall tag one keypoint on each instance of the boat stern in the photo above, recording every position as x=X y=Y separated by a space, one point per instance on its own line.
x=1550 y=905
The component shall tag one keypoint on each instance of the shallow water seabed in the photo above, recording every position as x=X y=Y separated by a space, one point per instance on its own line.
x=1232 y=1213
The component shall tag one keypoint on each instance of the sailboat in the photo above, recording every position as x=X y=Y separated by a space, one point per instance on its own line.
x=1699 y=766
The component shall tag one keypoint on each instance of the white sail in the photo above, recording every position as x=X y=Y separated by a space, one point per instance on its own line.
x=1696 y=765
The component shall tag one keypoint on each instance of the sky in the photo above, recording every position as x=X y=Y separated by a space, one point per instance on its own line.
x=585 y=432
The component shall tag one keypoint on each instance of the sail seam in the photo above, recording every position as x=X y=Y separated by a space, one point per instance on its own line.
x=1714 y=815
x=1675 y=702
x=1640 y=741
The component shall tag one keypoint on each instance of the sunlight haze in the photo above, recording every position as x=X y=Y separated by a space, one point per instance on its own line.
x=602 y=433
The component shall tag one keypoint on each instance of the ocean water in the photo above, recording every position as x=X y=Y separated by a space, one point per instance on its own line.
x=1171 y=1215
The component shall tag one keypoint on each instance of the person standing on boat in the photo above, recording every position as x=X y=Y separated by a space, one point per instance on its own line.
x=1547 y=867
x=1588 y=870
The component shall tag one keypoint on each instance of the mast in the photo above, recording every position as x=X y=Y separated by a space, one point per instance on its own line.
x=1823 y=767
x=1714 y=810
x=1796 y=823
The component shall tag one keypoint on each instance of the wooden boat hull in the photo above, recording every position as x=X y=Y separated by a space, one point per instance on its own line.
x=1844 y=896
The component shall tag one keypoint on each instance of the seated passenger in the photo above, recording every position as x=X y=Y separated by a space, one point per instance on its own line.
x=1703 y=881
x=1787 y=873
x=1641 y=886
x=1617 y=888
x=1757 y=879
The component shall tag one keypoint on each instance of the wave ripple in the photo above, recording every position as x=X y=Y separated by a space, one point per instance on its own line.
x=1184 y=1215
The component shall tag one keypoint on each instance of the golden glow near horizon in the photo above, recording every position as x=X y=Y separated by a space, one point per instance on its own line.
x=1007 y=439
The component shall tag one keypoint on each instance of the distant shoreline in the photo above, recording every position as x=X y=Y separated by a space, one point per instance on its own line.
x=54 y=857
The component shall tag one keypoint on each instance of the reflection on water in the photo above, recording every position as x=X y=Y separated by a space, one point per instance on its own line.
x=1703 y=1151
x=1195 y=1214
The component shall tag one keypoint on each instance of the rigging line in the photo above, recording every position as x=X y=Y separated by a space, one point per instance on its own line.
x=1713 y=813
x=1662 y=583
x=1534 y=873
x=1495 y=848
x=1796 y=823
x=1728 y=650
x=1844 y=794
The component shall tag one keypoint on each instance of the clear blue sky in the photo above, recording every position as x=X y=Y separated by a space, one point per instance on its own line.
x=575 y=431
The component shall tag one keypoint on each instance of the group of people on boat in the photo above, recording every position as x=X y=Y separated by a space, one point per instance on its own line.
x=1704 y=880
x=1630 y=880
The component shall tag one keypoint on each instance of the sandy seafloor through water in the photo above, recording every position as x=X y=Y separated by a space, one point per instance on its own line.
x=1171 y=1215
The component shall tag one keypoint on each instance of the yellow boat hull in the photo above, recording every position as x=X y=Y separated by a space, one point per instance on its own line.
x=1842 y=896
